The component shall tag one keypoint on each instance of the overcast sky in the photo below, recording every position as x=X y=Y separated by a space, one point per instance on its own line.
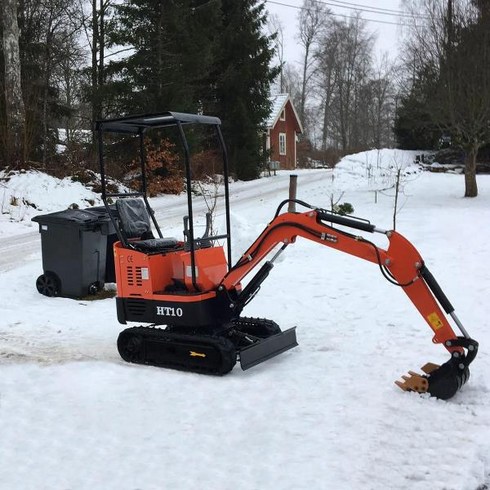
x=381 y=15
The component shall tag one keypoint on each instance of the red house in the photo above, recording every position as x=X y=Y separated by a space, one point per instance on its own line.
x=283 y=126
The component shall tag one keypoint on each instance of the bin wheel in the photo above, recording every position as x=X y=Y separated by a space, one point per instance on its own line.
x=94 y=288
x=48 y=284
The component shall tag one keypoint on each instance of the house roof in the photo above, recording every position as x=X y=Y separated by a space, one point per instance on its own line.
x=278 y=102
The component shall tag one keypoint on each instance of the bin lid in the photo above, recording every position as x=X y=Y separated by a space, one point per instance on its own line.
x=84 y=219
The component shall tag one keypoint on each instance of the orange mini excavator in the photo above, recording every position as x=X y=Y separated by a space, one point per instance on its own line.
x=189 y=296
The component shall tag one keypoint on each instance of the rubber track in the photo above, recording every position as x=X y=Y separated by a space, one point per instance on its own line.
x=259 y=327
x=219 y=350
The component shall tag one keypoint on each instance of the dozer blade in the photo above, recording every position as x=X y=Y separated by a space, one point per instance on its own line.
x=267 y=348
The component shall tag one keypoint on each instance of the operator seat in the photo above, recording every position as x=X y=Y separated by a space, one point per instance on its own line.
x=135 y=226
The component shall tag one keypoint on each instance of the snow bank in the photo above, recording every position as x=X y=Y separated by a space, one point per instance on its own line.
x=376 y=170
x=25 y=194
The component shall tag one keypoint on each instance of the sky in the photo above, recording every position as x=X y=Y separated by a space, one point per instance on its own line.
x=380 y=14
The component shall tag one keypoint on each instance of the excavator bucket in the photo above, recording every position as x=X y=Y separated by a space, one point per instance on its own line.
x=443 y=382
x=267 y=348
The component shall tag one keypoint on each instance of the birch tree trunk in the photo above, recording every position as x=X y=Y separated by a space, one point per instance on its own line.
x=14 y=103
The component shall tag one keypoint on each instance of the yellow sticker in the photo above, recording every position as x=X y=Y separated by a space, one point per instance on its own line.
x=435 y=321
x=196 y=354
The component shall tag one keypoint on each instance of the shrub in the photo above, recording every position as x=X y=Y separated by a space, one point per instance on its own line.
x=344 y=208
x=163 y=173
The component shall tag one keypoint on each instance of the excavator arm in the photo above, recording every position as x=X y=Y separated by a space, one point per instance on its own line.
x=400 y=264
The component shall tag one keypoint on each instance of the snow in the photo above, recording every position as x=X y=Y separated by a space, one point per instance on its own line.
x=325 y=415
x=26 y=194
x=278 y=101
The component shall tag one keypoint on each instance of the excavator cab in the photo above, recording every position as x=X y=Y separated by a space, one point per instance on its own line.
x=189 y=296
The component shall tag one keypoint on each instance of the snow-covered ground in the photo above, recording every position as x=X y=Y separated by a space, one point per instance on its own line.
x=325 y=415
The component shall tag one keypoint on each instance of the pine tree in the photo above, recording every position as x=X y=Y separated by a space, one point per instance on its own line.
x=196 y=56
x=243 y=75
x=173 y=46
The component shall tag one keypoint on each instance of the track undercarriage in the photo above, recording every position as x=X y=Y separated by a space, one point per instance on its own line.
x=213 y=350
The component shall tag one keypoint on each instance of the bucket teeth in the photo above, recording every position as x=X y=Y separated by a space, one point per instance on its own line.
x=414 y=382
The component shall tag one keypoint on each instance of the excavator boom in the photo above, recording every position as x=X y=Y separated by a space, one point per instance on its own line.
x=401 y=264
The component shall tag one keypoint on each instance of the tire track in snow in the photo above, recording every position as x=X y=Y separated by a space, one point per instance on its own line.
x=15 y=250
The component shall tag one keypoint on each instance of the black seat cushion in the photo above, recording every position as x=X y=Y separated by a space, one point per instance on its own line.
x=133 y=216
x=136 y=226
x=156 y=244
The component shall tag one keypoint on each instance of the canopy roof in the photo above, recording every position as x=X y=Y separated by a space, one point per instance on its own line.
x=141 y=123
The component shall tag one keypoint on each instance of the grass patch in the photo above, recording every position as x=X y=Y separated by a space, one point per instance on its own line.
x=103 y=294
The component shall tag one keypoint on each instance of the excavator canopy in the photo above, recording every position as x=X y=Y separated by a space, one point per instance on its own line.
x=141 y=123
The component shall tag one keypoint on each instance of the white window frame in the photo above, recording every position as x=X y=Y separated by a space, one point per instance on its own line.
x=282 y=144
x=282 y=117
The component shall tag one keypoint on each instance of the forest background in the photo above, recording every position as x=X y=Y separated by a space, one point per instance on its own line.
x=67 y=63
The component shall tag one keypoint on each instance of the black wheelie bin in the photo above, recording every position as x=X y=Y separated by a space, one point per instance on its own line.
x=76 y=252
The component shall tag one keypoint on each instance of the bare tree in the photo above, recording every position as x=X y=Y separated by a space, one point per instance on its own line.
x=14 y=101
x=276 y=28
x=344 y=61
x=46 y=31
x=381 y=103
x=313 y=17
x=325 y=78
x=58 y=37
x=462 y=98
x=68 y=78
x=453 y=47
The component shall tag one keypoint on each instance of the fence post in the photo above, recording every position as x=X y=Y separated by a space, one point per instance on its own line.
x=293 y=184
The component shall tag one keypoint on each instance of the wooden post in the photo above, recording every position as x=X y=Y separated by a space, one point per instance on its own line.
x=293 y=185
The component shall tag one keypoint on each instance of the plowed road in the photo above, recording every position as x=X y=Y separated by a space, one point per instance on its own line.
x=16 y=250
